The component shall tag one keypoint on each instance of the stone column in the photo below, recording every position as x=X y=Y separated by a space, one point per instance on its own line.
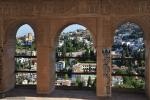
x=8 y=69
x=1 y=55
x=147 y=70
x=103 y=73
x=104 y=40
x=146 y=28
x=100 y=82
x=45 y=68
x=1 y=67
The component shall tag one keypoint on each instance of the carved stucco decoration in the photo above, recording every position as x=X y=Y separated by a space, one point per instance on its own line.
x=107 y=70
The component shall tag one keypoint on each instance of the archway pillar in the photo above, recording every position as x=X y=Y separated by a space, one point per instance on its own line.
x=146 y=28
x=7 y=63
x=1 y=56
x=8 y=68
x=44 y=71
x=45 y=67
x=147 y=73
x=103 y=84
x=100 y=82
x=104 y=40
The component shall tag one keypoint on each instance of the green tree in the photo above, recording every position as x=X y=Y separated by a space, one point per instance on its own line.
x=94 y=83
x=33 y=45
x=66 y=76
x=64 y=50
x=121 y=72
x=89 y=82
x=78 y=80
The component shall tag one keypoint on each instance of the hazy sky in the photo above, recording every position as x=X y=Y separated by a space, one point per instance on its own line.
x=73 y=27
x=25 y=29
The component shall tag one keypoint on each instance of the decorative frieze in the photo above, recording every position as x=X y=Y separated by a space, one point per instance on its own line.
x=15 y=9
x=50 y=8
x=144 y=6
x=73 y=7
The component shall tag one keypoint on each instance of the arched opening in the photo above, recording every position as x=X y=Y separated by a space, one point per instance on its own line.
x=25 y=56
x=128 y=57
x=75 y=59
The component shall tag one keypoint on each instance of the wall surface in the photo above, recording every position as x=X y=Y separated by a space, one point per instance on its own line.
x=49 y=17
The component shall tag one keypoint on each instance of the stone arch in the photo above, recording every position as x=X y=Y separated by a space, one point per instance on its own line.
x=61 y=28
x=58 y=25
x=61 y=24
x=122 y=21
x=142 y=22
x=10 y=29
x=65 y=26
x=79 y=23
x=145 y=28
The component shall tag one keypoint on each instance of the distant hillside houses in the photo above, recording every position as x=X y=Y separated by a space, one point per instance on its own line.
x=60 y=65
x=117 y=80
x=128 y=34
x=60 y=43
x=76 y=54
x=133 y=44
x=84 y=67
x=116 y=54
x=26 y=39
x=79 y=35
x=116 y=68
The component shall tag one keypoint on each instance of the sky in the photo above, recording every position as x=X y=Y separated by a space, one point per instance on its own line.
x=73 y=27
x=25 y=29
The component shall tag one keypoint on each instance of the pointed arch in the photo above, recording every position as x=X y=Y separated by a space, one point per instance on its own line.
x=128 y=47
x=72 y=52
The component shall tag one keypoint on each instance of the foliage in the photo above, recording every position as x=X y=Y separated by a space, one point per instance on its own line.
x=20 y=46
x=89 y=82
x=132 y=82
x=78 y=80
x=121 y=72
x=79 y=83
x=94 y=83
x=66 y=76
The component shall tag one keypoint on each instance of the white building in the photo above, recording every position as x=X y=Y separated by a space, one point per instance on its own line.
x=117 y=80
x=84 y=67
x=75 y=54
x=63 y=82
x=60 y=43
x=115 y=54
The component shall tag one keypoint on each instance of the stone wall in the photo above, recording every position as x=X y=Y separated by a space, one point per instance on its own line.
x=57 y=8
